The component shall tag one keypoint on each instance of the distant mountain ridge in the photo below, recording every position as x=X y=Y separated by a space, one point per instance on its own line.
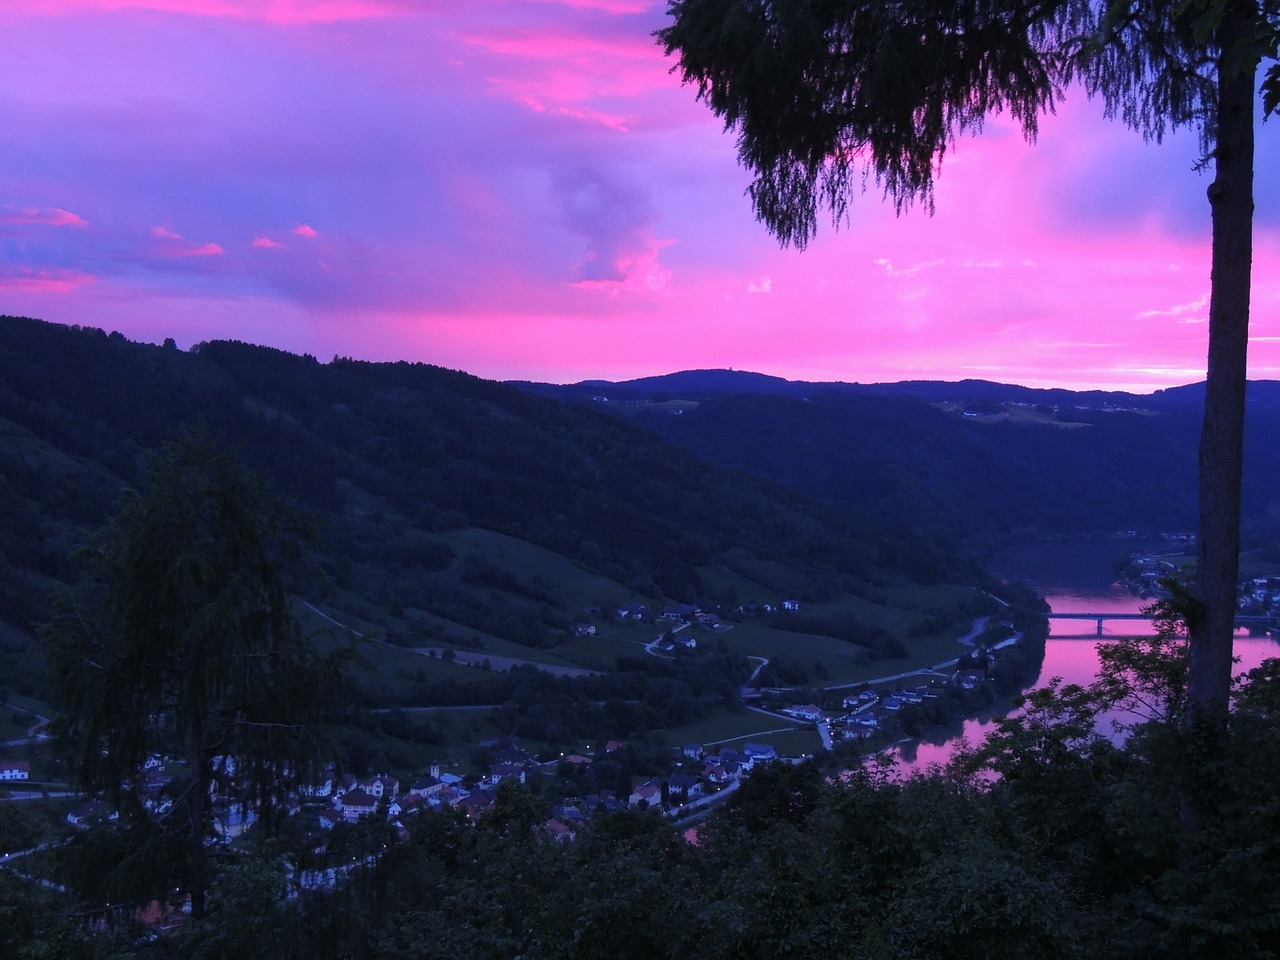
x=972 y=459
x=692 y=384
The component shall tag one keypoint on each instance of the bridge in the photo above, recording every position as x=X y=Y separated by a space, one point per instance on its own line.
x=1100 y=618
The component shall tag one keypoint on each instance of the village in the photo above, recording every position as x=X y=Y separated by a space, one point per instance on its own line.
x=695 y=775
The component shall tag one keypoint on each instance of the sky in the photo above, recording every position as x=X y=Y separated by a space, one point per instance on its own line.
x=525 y=190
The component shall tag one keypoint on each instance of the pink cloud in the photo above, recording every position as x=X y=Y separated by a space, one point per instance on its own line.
x=279 y=12
x=618 y=7
x=612 y=121
x=303 y=230
x=562 y=43
x=38 y=280
x=175 y=245
x=567 y=70
x=638 y=270
x=266 y=243
x=48 y=216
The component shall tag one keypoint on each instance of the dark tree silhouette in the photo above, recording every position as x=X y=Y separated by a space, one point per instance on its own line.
x=184 y=644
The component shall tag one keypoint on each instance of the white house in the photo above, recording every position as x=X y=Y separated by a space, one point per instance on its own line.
x=650 y=793
x=805 y=711
x=15 y=770
x=381 y=786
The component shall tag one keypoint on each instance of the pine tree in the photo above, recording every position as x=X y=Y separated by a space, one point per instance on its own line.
x=183 y=643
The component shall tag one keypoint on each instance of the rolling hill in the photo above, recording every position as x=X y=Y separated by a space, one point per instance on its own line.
x=454 y=512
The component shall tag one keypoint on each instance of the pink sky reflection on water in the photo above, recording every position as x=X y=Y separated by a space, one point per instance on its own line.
x=1076 y=661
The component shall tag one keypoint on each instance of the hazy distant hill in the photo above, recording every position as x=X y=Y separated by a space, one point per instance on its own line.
x=973 y=459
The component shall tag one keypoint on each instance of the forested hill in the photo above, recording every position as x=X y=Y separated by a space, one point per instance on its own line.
x=406 y=465
x=980 y=460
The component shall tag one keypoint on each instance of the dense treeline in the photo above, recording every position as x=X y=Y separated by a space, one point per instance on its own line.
x=1084 y=464
x=641 y=694
x=1050 y=841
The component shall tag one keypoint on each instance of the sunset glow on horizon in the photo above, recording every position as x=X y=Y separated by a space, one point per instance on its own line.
x=524 y=190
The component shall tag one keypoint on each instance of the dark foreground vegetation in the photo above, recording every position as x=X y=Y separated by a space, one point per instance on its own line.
x=1050 y=841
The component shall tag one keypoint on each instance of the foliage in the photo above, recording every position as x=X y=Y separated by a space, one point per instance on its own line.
x=184 y=645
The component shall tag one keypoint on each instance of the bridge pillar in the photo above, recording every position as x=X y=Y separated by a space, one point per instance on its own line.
x=1099 y=626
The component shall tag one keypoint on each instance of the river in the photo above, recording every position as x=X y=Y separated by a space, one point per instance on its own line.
x=1073 y=577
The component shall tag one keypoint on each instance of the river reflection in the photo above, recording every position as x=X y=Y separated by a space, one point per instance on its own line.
x=1072 y=654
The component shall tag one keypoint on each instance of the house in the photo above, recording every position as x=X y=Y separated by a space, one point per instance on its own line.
x=506 y=771
x=321 y=788
x=790 y=604
x=358 y=805
x=604 y=802
x=693 y=751
x=864 y=699
x=95 y=811
x=650 y=794
x=584 y=630
x=233 y=819
x=760 y=751
x=721 y=771
x=475 y=805
x=409 y=803
x=730 y=755
x=450 y=796
x=15 y=770
x=613 y=745
x=426 y=787
x=805 y=711
x=558 y=831
x=344 y=784
x=381 y=786
x=685 y=785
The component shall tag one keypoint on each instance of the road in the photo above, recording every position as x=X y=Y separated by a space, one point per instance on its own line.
x=33 y=731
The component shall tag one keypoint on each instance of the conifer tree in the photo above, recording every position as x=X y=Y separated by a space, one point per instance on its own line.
x=183 y=644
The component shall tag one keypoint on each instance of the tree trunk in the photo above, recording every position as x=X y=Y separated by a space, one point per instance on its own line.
x=1222 y=438
x=198 y=856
